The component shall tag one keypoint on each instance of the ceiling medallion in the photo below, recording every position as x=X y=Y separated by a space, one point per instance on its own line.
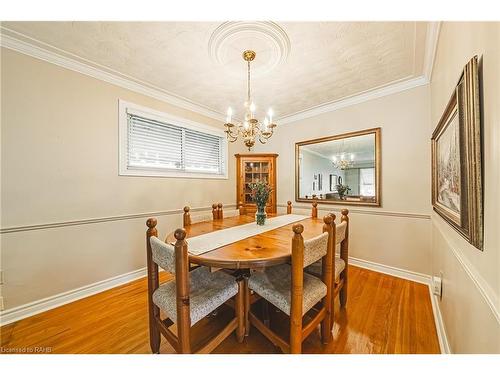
x=251 y=128
x=266 y=38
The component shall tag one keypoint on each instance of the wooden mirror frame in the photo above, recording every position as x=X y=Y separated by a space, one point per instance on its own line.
x=377 y=133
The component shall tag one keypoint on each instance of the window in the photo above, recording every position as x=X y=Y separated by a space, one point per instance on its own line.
x=367 y=182
x=157 y=144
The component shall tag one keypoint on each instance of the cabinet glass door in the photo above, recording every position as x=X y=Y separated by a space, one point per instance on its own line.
x=255 y=171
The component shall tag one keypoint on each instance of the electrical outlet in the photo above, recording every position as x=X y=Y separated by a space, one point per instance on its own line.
x=441 y=285
x=437 y=285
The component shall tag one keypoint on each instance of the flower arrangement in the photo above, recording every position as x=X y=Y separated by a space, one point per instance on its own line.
x=260 y=192
x=343 y=190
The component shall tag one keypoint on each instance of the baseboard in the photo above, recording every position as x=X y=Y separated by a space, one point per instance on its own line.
x=416 y=277
x=389 y=270
x=37 y=307
x=438 y=320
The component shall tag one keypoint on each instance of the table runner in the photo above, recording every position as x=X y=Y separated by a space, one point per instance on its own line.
x=210 y=241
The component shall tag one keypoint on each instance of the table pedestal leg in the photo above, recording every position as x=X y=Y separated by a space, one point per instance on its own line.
x=247 y=305
x=240 y=310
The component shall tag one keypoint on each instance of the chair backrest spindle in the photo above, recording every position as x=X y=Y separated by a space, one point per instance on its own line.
x=297 y=286
x=182 y=290
x=289 y=207
x=327 y=263
x=314 y=213
x=153 y=279
x=344 y=245
x=186 y=218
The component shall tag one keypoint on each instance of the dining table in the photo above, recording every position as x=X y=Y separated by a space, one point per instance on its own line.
x=251 y=254
x=256 y=252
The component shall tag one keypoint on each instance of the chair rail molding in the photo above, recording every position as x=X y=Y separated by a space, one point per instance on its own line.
x=177 y=211
x=488 y=294
x=362 y=211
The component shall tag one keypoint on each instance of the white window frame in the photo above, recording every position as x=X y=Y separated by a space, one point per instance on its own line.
x=125 y=108
x=374 y=184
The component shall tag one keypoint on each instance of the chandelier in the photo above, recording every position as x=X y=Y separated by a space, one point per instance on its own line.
x=343 y=163
x=251 y=128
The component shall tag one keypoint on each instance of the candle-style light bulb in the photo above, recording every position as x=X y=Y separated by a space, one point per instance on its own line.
x=229 y=115
x=352 y=157
x=252 y=109
x=266 y=124
x=334 y=158
x=245 y=125
x=270 y=113
x=342 y=156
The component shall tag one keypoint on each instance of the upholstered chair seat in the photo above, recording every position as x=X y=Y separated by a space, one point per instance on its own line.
x=274 y=285
x=208 y=290
x=295 y=292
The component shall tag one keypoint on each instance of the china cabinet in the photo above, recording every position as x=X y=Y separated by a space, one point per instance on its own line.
x=254 y=168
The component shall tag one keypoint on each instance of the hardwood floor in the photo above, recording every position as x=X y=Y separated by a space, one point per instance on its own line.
x=384 y=314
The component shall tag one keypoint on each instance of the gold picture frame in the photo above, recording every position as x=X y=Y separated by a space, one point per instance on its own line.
x=457 y=189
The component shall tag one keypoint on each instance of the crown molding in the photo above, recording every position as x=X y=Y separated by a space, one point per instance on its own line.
x=29 y=46
x=23 y=44
x=431 y=41
x=355 y=99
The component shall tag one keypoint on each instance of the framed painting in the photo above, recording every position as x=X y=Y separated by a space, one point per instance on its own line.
x=456 y=159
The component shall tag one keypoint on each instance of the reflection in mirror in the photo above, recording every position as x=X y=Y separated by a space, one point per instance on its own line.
x=339 y=169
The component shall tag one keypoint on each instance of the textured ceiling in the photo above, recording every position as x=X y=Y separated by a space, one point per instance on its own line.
x=298 y=66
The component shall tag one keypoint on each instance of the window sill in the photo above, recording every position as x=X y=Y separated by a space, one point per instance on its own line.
x=166 y=174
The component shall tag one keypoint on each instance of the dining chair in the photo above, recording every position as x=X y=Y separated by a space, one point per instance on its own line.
x=198 y=217
x=188 y=298
x=296 y=292
x=240 y=210
x=314 y=209
x=340 y=265
x=217 y=213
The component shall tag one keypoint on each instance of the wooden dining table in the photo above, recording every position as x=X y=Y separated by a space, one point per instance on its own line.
x=253 y=253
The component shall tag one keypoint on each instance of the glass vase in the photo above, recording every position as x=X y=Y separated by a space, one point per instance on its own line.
x=260 y=215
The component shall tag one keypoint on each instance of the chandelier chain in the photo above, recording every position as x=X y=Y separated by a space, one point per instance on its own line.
x=248 y=83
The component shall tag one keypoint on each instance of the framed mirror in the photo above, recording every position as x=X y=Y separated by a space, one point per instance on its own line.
x=341 y=169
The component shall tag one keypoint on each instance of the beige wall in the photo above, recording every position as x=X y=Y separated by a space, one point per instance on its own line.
x=60 y=163
x=391 y=235
x=469 y=316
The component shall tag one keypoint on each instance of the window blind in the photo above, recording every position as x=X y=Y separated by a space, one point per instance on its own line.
x=157 y=145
